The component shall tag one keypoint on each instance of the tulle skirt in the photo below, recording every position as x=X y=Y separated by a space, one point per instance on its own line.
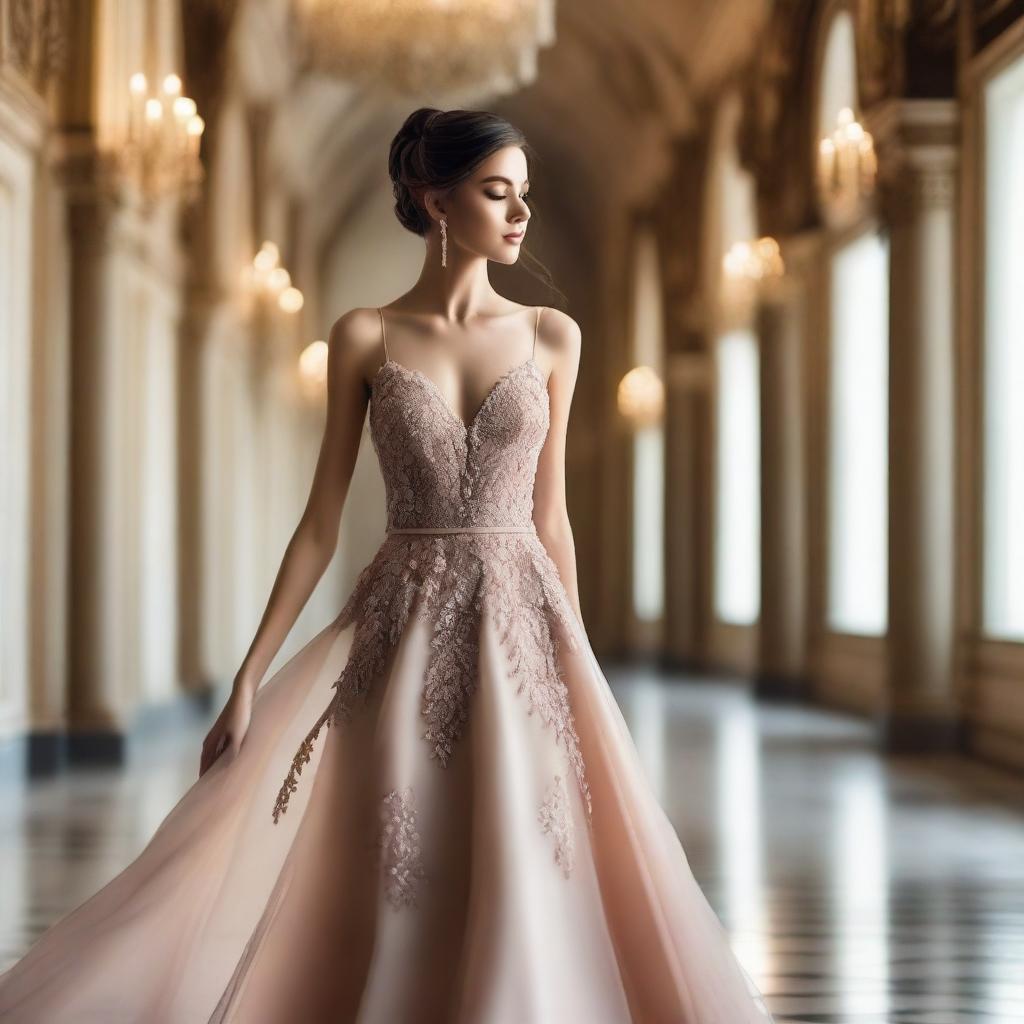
x=396 y=888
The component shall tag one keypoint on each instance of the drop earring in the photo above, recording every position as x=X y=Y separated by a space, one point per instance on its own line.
x=444 y=242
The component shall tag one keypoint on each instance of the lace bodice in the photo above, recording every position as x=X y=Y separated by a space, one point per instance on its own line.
x=439 y=472
x=460 y=544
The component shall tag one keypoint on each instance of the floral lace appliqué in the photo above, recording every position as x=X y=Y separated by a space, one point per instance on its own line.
x=556 y=820
x=440 y=472
x=399 y=846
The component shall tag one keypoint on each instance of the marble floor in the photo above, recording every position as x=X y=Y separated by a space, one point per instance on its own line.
x=857 y=889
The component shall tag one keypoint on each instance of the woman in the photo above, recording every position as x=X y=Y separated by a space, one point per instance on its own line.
x=474 y=840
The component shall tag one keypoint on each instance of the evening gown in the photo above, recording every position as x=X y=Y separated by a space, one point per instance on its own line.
x=473 y=840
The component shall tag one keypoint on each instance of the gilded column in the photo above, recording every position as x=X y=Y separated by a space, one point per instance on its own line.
x=918 y=161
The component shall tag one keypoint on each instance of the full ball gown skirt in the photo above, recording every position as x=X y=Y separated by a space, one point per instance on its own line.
x=437 y=813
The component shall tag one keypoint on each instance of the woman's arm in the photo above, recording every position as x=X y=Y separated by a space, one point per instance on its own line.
x=562 y=339
x=351 y=343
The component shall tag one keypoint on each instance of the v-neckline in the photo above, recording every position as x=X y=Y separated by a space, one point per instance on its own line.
x=467 y=428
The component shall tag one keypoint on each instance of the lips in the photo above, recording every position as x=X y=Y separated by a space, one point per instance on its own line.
x=515 y=237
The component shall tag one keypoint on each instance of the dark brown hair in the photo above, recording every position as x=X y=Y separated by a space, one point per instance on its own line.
x=439 y=149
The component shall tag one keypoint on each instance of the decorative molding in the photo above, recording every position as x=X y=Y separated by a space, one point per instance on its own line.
x=35 y=39
x=919 y=152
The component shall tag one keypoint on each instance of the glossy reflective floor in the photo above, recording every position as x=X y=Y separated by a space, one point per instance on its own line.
x=856 y=888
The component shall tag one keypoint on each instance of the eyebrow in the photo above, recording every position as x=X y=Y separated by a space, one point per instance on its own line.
x=498 y=177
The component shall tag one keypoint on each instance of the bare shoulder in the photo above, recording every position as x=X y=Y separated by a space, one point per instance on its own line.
x=355 y=341
x=357 y=327
x=560 y=337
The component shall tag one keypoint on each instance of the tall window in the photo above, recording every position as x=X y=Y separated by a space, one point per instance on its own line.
x=1004 y=356
x=738 y=480
x=859 y=438
x=737 y=456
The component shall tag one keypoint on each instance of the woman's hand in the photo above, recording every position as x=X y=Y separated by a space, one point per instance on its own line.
x=229 y=729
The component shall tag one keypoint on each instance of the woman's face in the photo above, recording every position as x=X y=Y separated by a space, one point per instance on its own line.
x=487 y=214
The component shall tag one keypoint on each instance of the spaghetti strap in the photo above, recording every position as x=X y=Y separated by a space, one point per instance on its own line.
x=383 y=333
x=536 y=326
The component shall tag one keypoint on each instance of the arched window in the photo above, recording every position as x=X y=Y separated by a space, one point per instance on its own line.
x=737 y=506
x=858 y=457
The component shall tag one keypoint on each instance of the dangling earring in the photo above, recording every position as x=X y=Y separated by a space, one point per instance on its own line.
x=444 y=242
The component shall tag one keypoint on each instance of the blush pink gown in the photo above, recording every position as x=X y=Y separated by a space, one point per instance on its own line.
x=472 y=841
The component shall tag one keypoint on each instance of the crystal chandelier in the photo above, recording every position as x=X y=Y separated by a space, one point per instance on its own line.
x=847 y=167
x=437 y=48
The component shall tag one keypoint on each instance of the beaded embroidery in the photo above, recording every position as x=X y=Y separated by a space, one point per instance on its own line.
x=556 y=820
x=399 y=847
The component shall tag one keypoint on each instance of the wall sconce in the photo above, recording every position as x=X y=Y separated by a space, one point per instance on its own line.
x=160 y=150
x=746 y=268
x=313 y=369
x=754 y=261
x=847 y=168
x=640 y=397
x=265 y=279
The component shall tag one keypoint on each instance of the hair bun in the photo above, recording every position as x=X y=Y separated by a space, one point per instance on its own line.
x=418 y=123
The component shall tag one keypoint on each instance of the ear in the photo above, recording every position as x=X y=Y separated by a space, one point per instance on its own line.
x=431 y=199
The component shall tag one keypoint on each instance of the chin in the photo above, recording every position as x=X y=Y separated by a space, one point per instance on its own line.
x=507 y=255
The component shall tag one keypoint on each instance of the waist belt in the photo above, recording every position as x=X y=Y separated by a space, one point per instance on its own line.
x=464 y=529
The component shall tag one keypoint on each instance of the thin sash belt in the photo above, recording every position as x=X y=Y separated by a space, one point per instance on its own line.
x=464 y=529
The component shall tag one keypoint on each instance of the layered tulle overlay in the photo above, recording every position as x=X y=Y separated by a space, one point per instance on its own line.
x=437 y=813
x=397 y=887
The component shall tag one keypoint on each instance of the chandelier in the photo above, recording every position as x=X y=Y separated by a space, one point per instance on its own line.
x=846 y=169
x=159 y=149
x=437 y=48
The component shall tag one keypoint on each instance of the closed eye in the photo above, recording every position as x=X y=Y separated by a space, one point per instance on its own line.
x=525 y=198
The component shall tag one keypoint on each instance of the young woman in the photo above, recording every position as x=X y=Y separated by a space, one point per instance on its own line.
x=474 y=840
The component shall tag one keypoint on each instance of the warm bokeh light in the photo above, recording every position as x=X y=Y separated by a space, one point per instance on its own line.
x=640 y=396
x=847 y=166
x=313 y=368
x=754 y=261
x=291 y=300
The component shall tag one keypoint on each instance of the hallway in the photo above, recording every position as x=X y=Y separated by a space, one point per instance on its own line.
x=775 y=325
x=857 y=888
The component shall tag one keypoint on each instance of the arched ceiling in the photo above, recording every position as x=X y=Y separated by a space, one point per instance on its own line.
x=622 y=81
